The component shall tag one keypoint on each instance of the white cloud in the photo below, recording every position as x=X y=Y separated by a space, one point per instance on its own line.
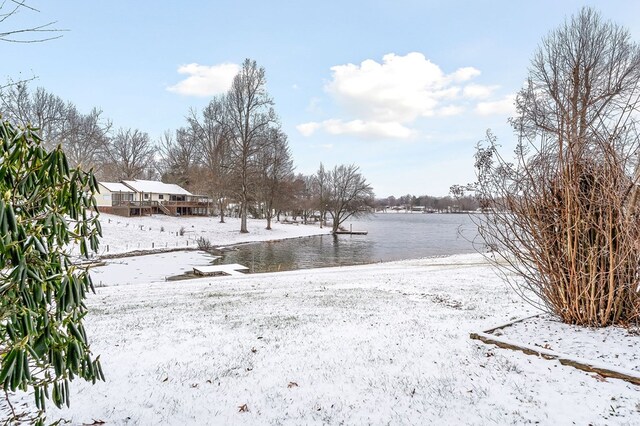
x=205 y=80
x=385 y=98
x=307 y=129
x=465 y=74
x=478 y=91
x=450 y=110
x=400 y=89
x=504 y=106
x=365 y=129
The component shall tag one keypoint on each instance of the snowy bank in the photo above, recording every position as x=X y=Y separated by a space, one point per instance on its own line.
x=373 y=344
x=127 y=234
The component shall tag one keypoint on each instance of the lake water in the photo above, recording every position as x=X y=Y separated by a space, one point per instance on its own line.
x=393 y=236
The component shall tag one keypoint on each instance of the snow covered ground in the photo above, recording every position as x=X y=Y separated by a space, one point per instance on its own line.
x=148 y=268
x=125 y=234
x=614 y=346
x=375 y=344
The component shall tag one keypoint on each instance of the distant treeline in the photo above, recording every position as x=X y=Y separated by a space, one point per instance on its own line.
x=428 y=202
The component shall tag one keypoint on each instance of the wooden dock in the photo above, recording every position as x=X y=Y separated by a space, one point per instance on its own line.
x=351 y=232
x=228 y=269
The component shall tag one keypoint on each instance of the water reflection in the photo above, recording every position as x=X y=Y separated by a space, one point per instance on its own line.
x=390 y=237
x=302 y=253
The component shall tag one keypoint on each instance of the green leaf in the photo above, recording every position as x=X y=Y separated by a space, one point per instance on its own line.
x=41 y=334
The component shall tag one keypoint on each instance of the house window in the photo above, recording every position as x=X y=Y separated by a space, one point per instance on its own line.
x=160 y=196
x=146 y=196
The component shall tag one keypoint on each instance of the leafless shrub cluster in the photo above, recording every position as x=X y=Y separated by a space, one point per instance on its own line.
x=204 y=244
x=564 y=214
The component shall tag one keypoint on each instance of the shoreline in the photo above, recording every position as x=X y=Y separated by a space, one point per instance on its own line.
x=159 y=233
x=181 y=233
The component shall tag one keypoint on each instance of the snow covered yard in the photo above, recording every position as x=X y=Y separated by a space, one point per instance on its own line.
x=614 y=346
x=384 y=343
x=126 y=234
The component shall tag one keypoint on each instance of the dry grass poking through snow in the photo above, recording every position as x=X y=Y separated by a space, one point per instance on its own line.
x=377 y=344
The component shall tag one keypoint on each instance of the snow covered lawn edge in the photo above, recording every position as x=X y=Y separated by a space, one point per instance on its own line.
x=564 y=359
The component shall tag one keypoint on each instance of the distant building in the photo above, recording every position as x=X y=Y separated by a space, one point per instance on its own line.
x=145 y=197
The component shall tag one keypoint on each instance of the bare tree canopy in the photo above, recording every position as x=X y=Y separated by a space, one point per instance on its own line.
x=179 y=156
x=236 y=150
x=131 y=155
x=83 y=137
x=40 y=109
x=276 y=171
x=346 y=193
x=563 y=215
x=249 y=113
x=31 y=34
x=581 y=79
x=214 y=148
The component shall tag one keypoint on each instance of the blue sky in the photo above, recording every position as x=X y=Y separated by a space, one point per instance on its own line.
x=404 y=89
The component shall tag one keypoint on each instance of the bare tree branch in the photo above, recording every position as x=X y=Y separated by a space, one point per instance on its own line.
x=563 y=215
x=9 y=35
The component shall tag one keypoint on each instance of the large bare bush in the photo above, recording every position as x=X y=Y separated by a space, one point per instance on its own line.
x=564 y=214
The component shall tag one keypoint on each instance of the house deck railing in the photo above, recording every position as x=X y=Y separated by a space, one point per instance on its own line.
x=200 y=202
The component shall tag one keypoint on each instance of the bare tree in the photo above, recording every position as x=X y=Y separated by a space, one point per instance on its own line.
x=348 y=194
x=563 y=215
x=180 y=157
x=276 y=170
x=131 y=155
x=300 y=198
x=321 y=192
x=32 y=34
x=40 y=109
x=212 y=133
x=249 y=114
x=85 y=139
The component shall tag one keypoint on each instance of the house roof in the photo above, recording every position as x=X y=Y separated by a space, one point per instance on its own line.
x=115 y=187
x=155 y=187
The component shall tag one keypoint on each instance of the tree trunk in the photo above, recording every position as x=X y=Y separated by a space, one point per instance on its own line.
x=336 y=224
x=221 y=205
x=268 y=212
x=243 y=218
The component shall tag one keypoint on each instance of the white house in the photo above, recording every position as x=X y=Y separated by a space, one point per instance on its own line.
x=113 y=192
x=141 y=197
x=151 y=190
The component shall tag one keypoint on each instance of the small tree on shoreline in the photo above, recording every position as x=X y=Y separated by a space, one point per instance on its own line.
x=346 y=193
